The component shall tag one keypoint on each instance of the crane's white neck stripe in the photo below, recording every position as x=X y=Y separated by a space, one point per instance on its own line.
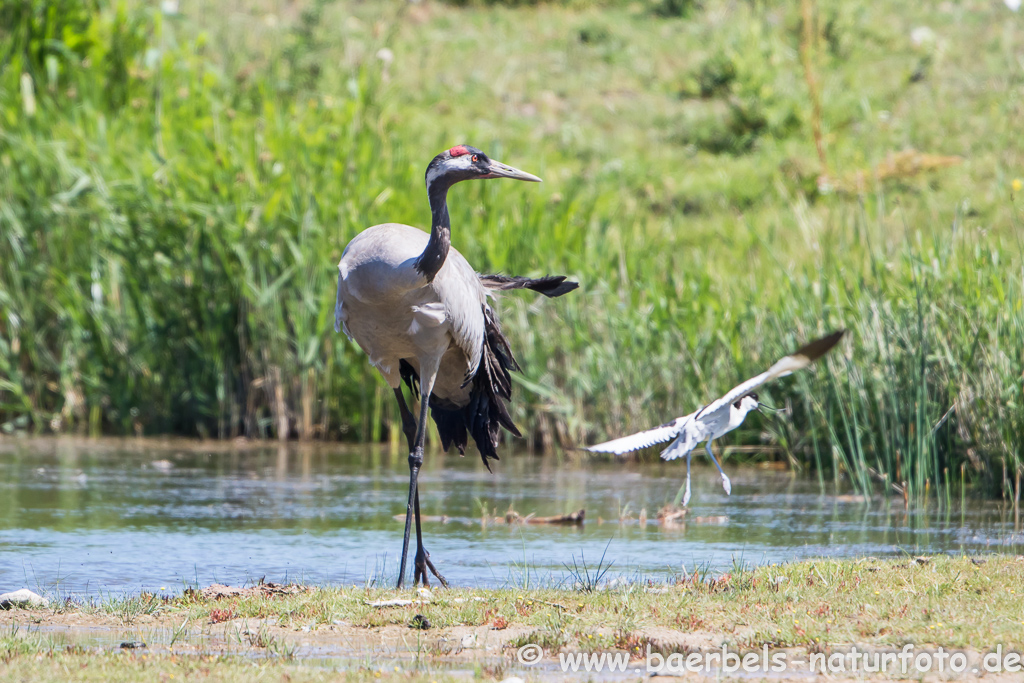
x=460 y=163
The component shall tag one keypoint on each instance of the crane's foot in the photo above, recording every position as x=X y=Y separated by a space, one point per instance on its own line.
x=422 y=564
x=726 y=484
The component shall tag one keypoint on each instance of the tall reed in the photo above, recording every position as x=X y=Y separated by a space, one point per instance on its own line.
x=171 y=217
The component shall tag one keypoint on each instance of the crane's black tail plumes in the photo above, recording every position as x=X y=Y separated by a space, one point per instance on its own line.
x=550 y=285
x=486 y=413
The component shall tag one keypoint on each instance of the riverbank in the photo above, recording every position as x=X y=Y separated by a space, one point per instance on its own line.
x=306 y=633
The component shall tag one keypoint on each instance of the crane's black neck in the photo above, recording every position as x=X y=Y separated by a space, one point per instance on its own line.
x=432 y=258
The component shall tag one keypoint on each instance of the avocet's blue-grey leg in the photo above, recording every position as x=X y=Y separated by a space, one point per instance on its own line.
x=686 y=496
x=726 y=484
x=686 y=485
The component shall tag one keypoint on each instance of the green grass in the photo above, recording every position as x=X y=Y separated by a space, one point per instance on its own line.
x=171 y=213
x=867 y=601
x=821 y=606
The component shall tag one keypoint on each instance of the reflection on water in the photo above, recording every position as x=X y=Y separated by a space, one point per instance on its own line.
x=84 y=516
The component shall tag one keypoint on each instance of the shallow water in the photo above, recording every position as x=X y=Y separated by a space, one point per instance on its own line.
x=120 y=516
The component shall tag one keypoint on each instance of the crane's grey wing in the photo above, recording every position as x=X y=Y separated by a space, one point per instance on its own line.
x=339 y=309
x=635 y=442
x=797 y=360
x=458 y=288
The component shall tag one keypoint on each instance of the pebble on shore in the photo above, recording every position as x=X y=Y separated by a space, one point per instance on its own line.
x=22 y=598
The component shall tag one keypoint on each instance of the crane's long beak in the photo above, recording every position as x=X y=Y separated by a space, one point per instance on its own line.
x=500 y=170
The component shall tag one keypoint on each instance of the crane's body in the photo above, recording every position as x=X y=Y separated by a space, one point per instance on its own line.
x=387 y=307
x=717 y=418
x=421 y=313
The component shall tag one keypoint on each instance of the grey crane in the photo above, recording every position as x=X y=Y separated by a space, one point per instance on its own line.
x=421 y=313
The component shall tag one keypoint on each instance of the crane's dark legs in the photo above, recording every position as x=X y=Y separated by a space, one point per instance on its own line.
x=415 y=461
x=408 y=421
x=422 y=561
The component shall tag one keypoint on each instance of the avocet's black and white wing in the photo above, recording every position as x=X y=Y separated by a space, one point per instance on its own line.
x=651 y=437
x=691 y=435
x=797 y=360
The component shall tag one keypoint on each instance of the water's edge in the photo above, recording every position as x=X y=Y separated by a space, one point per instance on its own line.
x=111 y=516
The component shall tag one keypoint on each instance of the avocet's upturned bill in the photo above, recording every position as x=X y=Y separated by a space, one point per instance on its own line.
x=718 y=418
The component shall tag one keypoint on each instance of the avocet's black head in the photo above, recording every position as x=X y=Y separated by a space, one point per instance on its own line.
x=463 y=162
x=749 y=402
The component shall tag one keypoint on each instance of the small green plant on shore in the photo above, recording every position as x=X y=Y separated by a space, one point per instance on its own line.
x=129 y=609
x=586 y=578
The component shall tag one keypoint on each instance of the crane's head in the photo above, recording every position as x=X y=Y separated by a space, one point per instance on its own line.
x=463 y=162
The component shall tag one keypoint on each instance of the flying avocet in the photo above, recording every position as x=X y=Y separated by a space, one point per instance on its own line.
x=718 y=418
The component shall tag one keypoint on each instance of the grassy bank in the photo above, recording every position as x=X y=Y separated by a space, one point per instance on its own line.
x=959 y=603
x=175 y=190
